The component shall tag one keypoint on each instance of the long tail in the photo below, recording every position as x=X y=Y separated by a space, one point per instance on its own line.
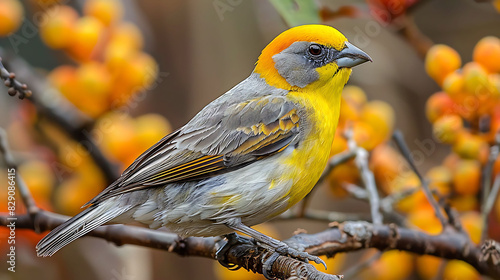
x=79 y=225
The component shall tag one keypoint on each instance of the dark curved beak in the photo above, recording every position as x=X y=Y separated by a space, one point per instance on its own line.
x=351 y=56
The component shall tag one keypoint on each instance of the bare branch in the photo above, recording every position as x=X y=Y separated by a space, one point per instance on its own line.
x=248 y=256
x=14 y=86
x=400 y=142
x=344 y=237
x=352 y=236
x=488 y=196
x=367 y=177
x=26 y=196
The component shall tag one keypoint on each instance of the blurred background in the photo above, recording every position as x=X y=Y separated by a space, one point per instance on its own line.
x=132 y=71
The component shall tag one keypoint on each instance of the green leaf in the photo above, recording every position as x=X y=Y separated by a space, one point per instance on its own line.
x=297 y=12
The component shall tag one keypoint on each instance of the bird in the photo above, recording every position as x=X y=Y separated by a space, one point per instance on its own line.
x=245 y=158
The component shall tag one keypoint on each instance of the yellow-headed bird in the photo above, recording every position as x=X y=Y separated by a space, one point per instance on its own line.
x=245 y=158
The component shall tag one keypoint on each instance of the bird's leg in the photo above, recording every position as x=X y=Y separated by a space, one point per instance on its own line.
x=278 y=246
x=232 y=239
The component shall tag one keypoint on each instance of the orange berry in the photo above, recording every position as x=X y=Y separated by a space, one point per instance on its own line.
x=150 y=128
x=94 y=80
x=469 y=146
x=64 y=79
x=87 y=34
x=417 y=200
x=440 y=61
x=62 y=20
x=118 y=136
x=365 y=135
x=447 y=128
x=128 y=34
x=463 y=203
x=386 y=164
x=39 y=178
x=487 y=53
x=494 y=81
x=339 y=144
x=496 y=4
x=72 y=194
x=11 y=16
x=440 y=178
x=380 y=117
x=384 y=267
x=348 y=113
x=476 y=81
x=428 y=266
x=343 y=174
x=426 y=220
x=125 y=42
x=139 y=74
x=467 y=177
x=453 y=85
x=471 y=222
x=106 y=11
x=354 y=95
x=404 y=181
x=460 y=270
x=439 y=104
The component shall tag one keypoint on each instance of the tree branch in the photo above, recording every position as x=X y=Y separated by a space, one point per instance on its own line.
x=343 y=237
x=28 y=200
x=14 y=86
x=248 y=256
x=367 y=177
x=400 y=142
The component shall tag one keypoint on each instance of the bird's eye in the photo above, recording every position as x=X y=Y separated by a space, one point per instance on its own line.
x=315 y=49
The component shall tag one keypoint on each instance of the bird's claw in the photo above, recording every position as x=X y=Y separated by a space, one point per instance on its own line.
x=221 y=254
x=268 y=265
x=303 y=256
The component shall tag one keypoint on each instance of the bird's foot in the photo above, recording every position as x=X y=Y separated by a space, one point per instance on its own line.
x=286 y=250
x=232 y=239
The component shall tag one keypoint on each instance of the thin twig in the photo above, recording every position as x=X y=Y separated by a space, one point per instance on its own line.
x=367 y=177
x=26 y=196
x=486 y=184
x=389 y=215
x=356 y=191
x=13 y=85
x=332 y=163
x=387 y=202
x=400 y=142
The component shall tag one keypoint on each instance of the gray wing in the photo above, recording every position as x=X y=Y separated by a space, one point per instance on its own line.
x=221 y=138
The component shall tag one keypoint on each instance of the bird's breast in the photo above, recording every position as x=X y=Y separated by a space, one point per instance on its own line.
x=306 y=163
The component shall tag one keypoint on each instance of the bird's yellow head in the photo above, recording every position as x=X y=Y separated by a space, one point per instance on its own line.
x=308 y=56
